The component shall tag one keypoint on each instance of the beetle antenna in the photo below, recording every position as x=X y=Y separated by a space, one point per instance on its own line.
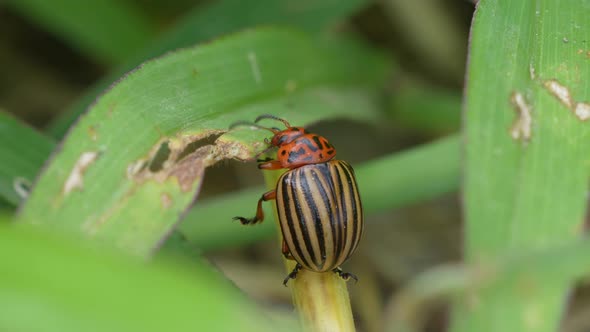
x=270 y=116
x=252 y=125
x=264 y=151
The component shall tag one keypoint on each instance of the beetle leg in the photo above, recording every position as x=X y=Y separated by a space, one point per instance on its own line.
x=293 y=274
x=272 y=164
x=259 y=212
x=286 y=251
x=345 y=275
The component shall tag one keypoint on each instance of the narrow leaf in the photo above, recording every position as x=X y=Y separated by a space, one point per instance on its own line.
x=222 y=17
x=135 y=162
x=23 y=150
x=107 y=30
x=527 y=161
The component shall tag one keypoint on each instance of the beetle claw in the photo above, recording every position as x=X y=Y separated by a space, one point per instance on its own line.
x=292 y=275
x=246 y=221
x=345 y=275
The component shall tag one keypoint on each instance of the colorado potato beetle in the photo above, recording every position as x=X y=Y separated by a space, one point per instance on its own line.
x=317 y=199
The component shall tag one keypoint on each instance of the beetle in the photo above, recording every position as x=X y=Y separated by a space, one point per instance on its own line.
x=317 y=199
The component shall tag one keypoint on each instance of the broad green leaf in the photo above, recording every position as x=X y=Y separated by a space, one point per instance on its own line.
x=527 y=160
x=22 y=150
x=220 y=18
x=386 y=183
x=50 y=283
x=133 y=164
x=106 y=30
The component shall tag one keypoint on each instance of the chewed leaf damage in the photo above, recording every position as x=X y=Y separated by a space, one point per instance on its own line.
x=76 y=178
x=521 y=127
x=560 y=92
x=580 y=109
x=185 y=158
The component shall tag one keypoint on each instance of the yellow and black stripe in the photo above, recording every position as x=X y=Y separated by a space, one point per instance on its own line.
x=320 y=213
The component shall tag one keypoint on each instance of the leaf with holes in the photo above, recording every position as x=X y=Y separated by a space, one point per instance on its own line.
x=527 y=160
x=134 y=163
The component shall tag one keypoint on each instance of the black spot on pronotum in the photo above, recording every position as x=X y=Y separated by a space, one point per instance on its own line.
x=318 y=142
x=330 y=151
x=284 y=152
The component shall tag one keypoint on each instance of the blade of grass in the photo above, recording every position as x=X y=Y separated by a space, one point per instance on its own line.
x=129 y=168
x=387 y=183
x=526 y=181
x=23 y=150
x=221 y=17
x=67 y=286
x=108 y=31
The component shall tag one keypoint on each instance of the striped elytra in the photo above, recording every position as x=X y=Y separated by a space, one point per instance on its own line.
x=320 y=214
x=317 y=198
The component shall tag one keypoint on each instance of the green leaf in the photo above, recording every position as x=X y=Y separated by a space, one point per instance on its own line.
x=527 y=161
x=227 y=16
x=23 y=151
x=106 y=30
x=134 y=163
x=385 y=184
x=223 y=17
x=55 y=284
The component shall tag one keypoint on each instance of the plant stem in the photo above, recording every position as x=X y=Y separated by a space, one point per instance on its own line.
x=321 y=299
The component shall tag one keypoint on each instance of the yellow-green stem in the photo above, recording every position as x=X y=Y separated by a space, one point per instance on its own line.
x=320 y=298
